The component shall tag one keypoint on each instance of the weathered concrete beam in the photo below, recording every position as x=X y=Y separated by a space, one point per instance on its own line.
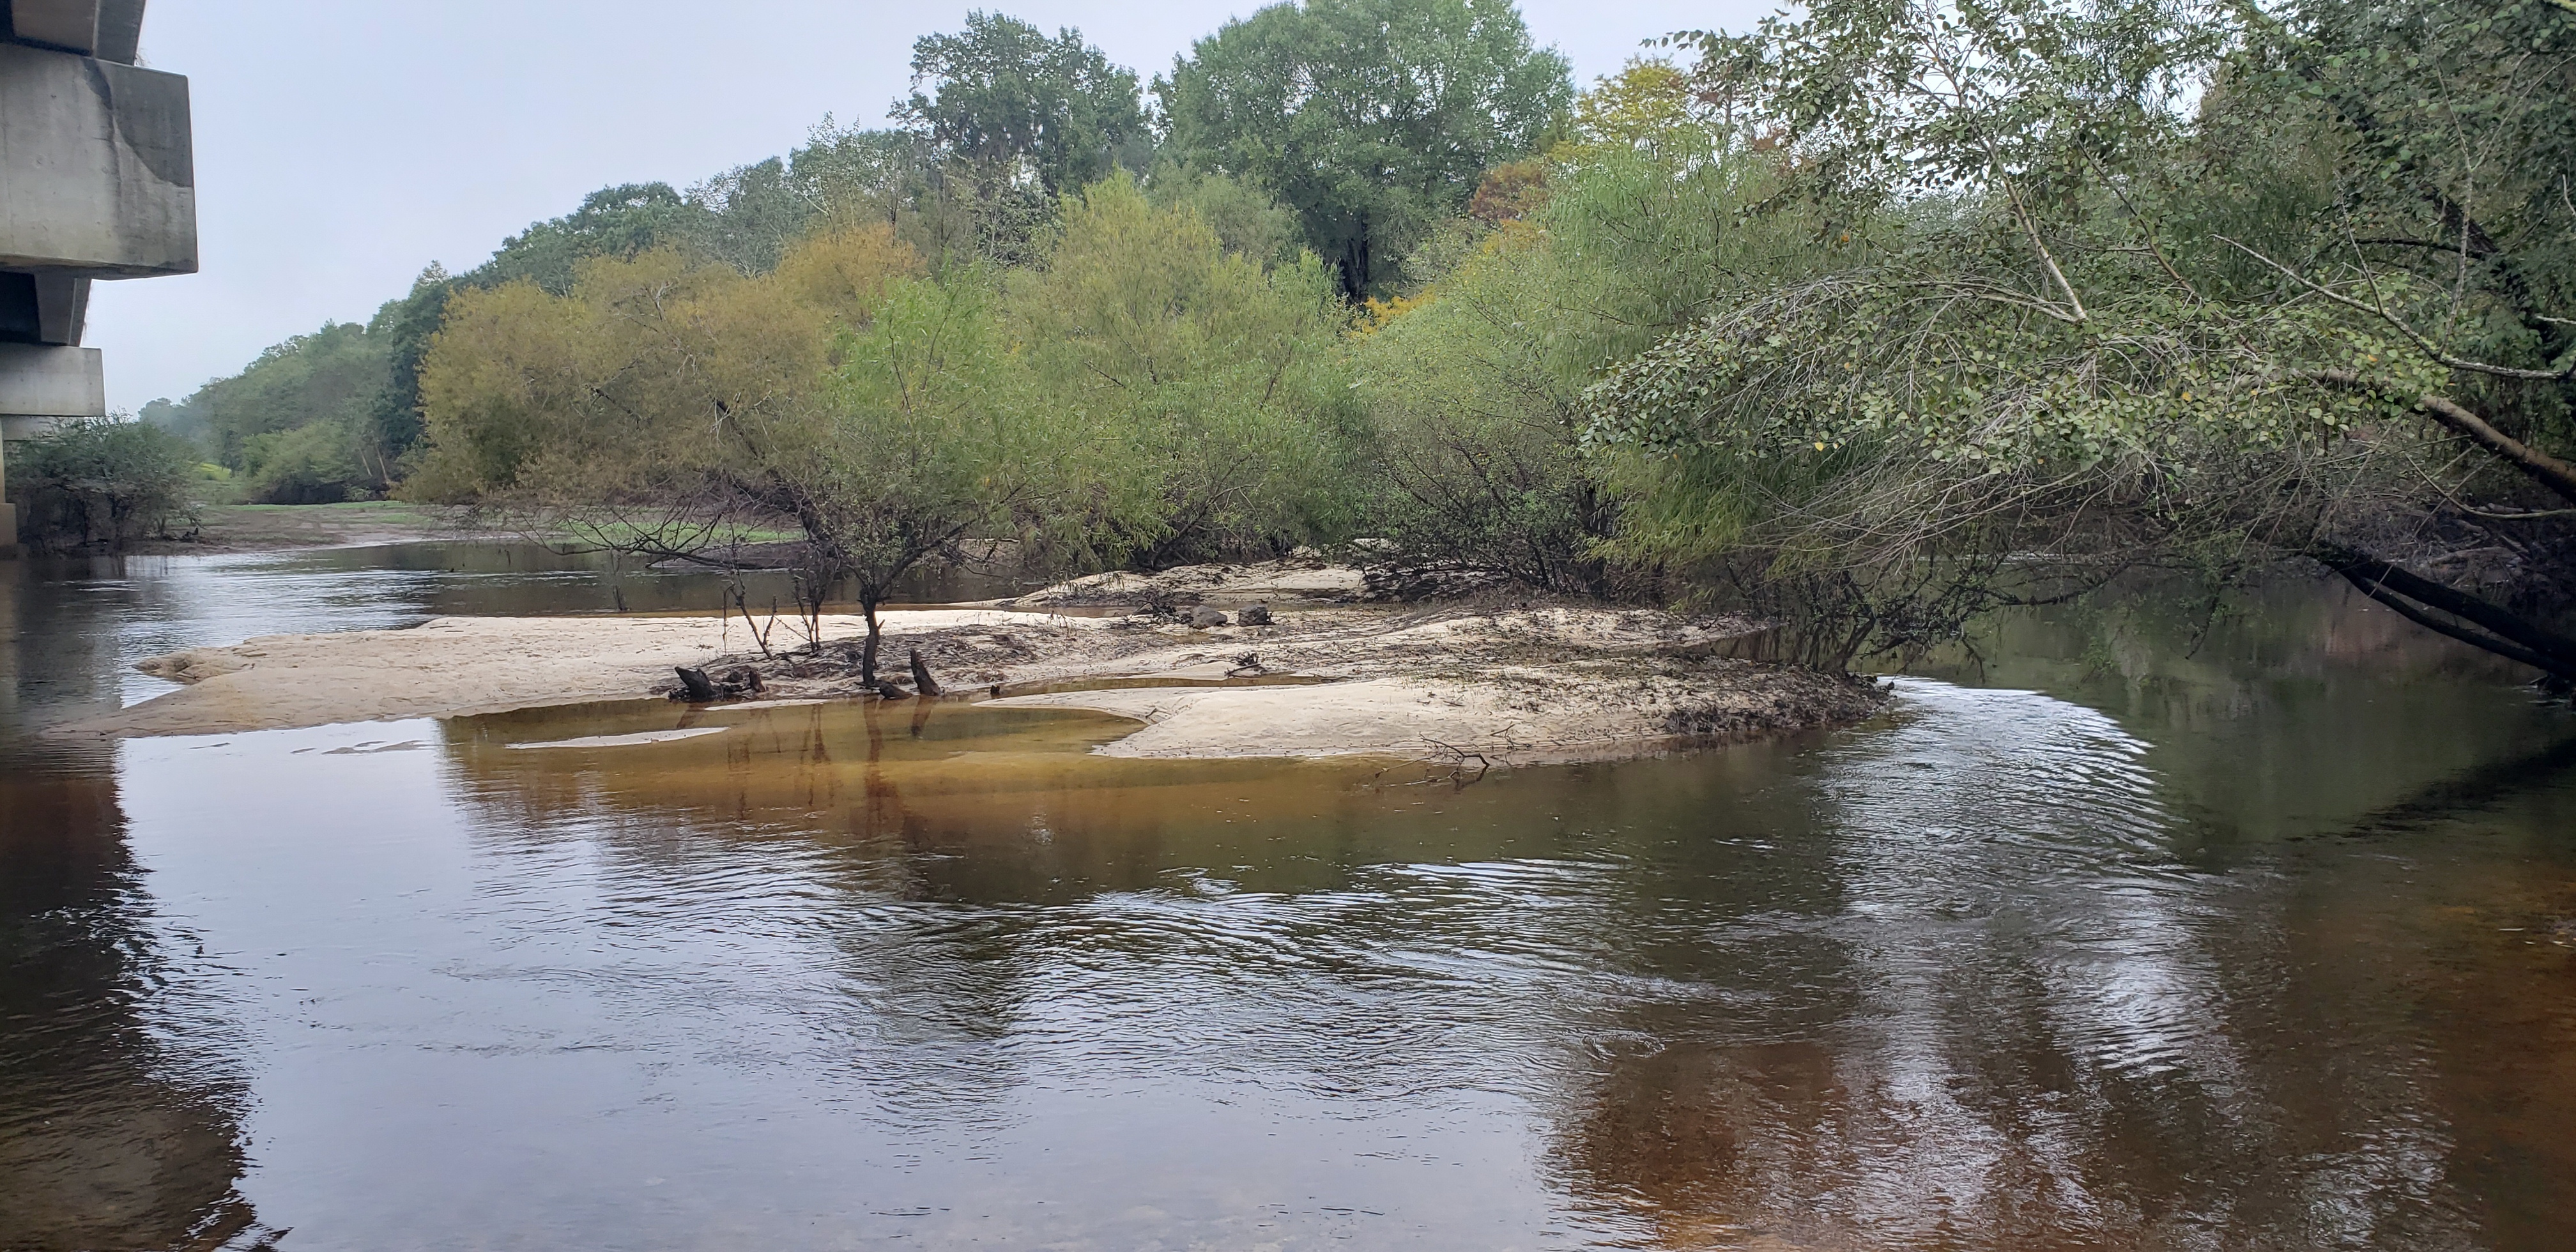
x=97 y=179
x=120 y=31
x=40 y=389
x=106 y=29
x=99 y=174
x=71 y=25
x=40 y=386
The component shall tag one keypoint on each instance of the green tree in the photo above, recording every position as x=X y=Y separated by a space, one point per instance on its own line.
x=1373 y=119
x=619 y=221
x=326 y=383
x=1005 y=98
x=392 y=429
x=1247 y=219
x=1478 y=416
x=912 y=445
x=1216 y=404
x=748 y=217
x=663 y=404
x=1636 y=225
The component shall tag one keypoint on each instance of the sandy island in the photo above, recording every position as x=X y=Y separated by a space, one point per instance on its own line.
x=1498 y=681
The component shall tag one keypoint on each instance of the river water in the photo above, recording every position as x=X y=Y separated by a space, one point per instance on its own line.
x=2109 y=942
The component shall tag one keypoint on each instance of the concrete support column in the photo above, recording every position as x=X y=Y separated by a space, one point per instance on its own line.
x=97 y=181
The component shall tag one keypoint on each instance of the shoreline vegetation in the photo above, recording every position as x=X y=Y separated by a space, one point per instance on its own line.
x=1480 y=681
x=1774 y=325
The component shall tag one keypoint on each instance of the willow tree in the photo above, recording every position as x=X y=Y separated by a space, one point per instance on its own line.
x=914 y=442
x=1635 y=224
x=1213 y=404
x=664 y=408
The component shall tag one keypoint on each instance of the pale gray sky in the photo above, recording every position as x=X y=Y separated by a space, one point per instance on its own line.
x=341 y=146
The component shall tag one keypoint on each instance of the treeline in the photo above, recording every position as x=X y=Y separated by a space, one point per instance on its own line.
x=1870 y=320
x=1348 y=127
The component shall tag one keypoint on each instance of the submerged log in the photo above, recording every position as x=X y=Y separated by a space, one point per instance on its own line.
x=921 y=679
x=695 y=687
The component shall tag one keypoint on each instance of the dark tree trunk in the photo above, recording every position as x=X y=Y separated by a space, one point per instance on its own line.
x=868 y=655
x=2467 y=618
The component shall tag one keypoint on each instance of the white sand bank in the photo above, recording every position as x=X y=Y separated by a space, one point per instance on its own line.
x=446 y=667
x=1482 y=685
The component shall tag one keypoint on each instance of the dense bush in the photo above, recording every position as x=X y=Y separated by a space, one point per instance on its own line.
x=317 y=463
x=102 y=484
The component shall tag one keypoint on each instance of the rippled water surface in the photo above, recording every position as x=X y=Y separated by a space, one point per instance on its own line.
x=2109 y=944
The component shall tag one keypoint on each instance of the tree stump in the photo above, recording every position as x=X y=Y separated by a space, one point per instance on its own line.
x=695 y=686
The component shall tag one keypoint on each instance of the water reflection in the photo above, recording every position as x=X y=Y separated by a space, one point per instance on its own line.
x=2069 y=1029
x=1958 y=978
x=2249 y=946
x=109 y=1135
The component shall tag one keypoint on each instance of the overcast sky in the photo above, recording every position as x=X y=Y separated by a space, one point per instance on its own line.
x=342 y=147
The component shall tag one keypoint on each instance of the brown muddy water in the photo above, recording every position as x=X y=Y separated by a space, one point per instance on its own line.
x=2110 y=944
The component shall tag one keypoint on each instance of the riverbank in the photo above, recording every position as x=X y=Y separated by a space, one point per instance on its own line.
x=283 y=527
x=1494 y=682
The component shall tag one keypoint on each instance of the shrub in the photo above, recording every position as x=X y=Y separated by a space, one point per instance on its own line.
x=102 y=484
x=311 y=464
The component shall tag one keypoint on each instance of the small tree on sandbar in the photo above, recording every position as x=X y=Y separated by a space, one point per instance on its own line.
x=909 y=447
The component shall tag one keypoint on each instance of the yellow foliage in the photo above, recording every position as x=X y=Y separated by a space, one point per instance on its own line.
x=1376 y=313
x=845 y=272
x=1648 y=107
x=627 y=380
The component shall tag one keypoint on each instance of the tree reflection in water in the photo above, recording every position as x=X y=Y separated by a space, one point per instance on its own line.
x=106 y=1138
x=1966 y=978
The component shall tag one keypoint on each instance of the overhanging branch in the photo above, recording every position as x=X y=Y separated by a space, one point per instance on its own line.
x=2505 y=634
x=2541 y=467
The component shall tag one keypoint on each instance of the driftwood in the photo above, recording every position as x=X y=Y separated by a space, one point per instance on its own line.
x=921 y=679
x=694 y=686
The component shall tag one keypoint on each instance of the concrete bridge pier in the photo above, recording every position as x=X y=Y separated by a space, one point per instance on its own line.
x=97 y=182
